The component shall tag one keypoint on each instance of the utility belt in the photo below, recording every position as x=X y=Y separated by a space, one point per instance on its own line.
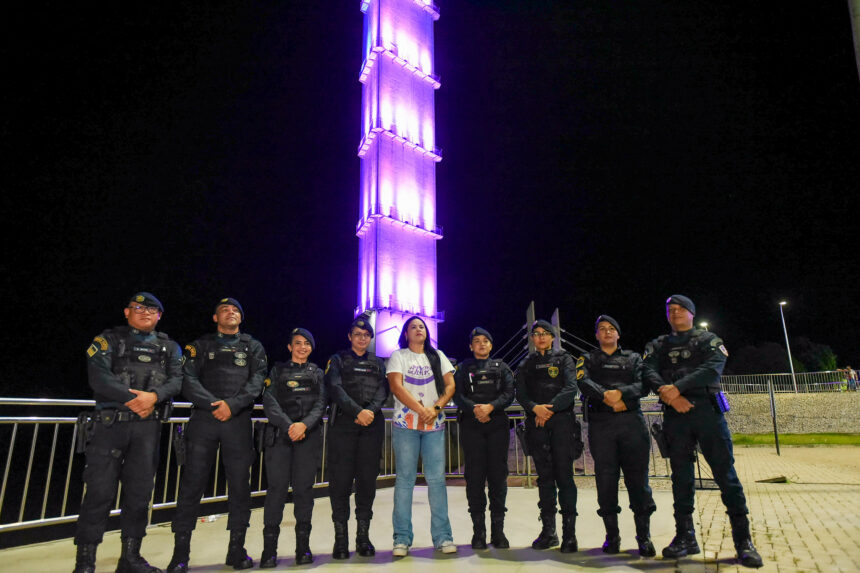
x=717 y=400
x=576 y=434
x=107 y=417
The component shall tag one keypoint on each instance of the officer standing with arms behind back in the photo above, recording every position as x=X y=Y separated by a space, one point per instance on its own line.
x=134 y=372
x=546 y=389
x=294 y=401
x=223 y=375
x=485 y=387
x=611 y=383
x=688 y=364
x=357 y=388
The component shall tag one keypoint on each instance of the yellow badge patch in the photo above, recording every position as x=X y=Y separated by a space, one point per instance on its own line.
x=267 y=381
x=224 y=299
x=91 y=351
x=101 y=341
x=552 y=371
x=293 y=384
x=580 y=362
x=192 y=352
x=580 y=374
x=139 y=298
x=327 y=364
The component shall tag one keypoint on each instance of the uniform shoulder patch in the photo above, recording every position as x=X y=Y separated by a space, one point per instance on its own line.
x=327 y=365
x=91 y=351
x=580 y=361
x=101 y=341
x=723 y=349
x=267 y=382
x=580 y=374
x=192 y=350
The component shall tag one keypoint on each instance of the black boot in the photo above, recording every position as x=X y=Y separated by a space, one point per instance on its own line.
x=497 y=531
x=130 y=560
x=612 y=545
x=643 y=535
x=236 y=554
x=568 y=534
x=547 y=537
x=747 y=554
x=85 y=560
x=303 y=544
x=269 y=559
x=341 y=541
x=363 y=546
x=479 y=530
x=181 y=551
x=684 y=542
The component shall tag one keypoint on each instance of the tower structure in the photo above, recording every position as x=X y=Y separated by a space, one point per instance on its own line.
x=397 y=227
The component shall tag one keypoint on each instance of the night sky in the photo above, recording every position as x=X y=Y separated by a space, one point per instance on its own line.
x=598 y=156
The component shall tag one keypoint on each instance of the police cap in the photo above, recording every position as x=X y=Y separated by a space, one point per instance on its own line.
x=682 y=300
x=478 y=331
x=609 y=319
x=303 y=332
x=362 y=323
x=234 y=302
x=147 y=299
x=546 y=325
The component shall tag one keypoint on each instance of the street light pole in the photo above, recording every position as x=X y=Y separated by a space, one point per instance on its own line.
x=782 y=303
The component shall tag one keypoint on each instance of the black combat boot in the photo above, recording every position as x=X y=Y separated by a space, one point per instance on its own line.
x=181 y=552
x=568 y=534
x=643 y=535
x=363 y=546
x=497 y=531
x=237 y=557
x=85 y=560
x=130 y=560
x=341 y=541
x=547 y=537
x=269 y=559
x=684 y=542
x=479 y=531
x=612 y=545
x=747 y=555
x=303 y=544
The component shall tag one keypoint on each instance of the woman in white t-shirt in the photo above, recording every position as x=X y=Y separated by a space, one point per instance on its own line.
x=422 y=381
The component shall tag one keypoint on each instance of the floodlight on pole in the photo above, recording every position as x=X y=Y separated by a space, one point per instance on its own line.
x=782 y=303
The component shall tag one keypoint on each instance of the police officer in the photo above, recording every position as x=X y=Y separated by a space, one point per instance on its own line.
x=223 y=375
x=688 y=364
x=294 y=401
x=546 y=389
x=485 y=387
x=357 y=388
x=611 y=383
x=134 y=372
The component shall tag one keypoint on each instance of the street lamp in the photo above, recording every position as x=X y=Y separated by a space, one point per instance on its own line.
x=782 y=303
x=703 y=325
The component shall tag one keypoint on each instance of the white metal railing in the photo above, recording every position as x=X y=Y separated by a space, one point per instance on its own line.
x=807 y=382
x=42 y=485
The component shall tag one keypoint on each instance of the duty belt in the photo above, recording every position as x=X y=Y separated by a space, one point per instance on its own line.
x=108 y=416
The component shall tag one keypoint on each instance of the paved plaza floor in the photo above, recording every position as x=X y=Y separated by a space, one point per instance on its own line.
x=810 y=523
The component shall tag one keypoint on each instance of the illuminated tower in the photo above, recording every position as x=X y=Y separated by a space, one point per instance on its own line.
x=397 y=228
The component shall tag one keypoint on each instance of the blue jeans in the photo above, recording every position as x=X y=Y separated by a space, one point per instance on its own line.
x=408 y=444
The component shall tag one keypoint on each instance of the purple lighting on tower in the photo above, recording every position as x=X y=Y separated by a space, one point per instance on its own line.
x=397 y=228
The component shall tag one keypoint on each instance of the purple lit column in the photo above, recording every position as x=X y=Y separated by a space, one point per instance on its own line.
x=397 y=228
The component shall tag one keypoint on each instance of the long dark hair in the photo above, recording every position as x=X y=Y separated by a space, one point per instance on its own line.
x=429 y=351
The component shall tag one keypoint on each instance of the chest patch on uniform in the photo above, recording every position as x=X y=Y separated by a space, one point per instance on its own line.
x=552 y=371
x=240 y=362
x=293 y=384
x=211 y=356
x=192 y=351
x=241 y=355
x=612 y=366
x=145 y=358
x=102 y=342
x=144 y=349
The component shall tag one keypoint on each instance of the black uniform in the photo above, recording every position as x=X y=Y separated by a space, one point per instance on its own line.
x=230 y=368
x=617 y=440
x=294 y=393
x=124 y=446
x=693 y=361
x=355 y=383
x=550 y=378
x=485 y=445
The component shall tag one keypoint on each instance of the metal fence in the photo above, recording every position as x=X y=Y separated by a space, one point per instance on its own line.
x=42 y=484
x=807 y=382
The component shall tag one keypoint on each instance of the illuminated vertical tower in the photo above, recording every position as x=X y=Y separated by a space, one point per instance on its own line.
x=397 y=228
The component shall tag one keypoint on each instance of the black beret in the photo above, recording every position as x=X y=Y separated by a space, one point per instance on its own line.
x=546 y=325
x=683 y=301
x=363 y=323
x=147 y=299
x=303 y=332
x=232 y=301
x=478 y=331
x=609 y=319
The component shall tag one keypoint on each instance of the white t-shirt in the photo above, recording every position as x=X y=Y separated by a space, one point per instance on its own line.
x=418 y=381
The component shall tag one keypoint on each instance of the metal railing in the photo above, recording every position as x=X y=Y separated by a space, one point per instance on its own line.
x=807 y=382
x=42 y=485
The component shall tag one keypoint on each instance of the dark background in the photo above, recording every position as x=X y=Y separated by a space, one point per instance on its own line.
x=597 y=157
